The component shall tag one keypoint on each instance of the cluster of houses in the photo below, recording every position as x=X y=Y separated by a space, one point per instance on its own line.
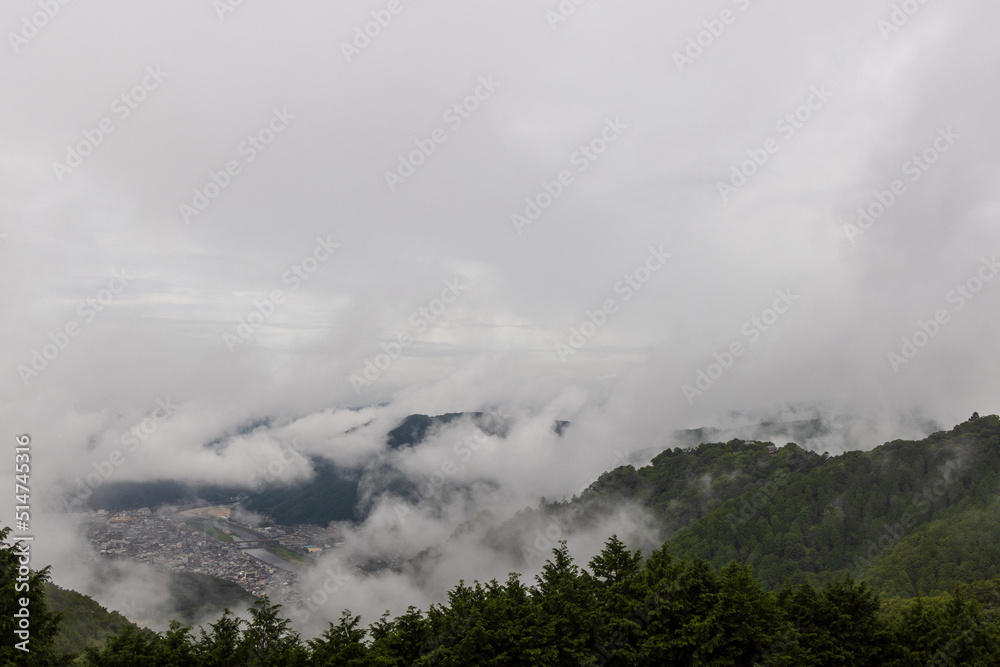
x=140 y=535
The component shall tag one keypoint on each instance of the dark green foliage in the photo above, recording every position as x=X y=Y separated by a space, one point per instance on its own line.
x=264 y=640
x=193 y=594
x=935 y=557
x=415 y=427
x=628 y=611
x=132 y=648
x=83 y=621
x=268 y=639
x=29 y=585
x=759 y=570
x=622 y=610
x=221 y=646
x=331 y=495
x=910 y=517
x=341 y=645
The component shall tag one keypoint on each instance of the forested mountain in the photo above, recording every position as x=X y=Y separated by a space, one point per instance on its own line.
x=773 y=556
x=331 y=495
x=414 y=428
x=334 y=492
x=84 y=622
x=911 y=517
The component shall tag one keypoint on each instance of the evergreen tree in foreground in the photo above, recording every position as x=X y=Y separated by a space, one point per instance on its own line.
x=621 y=610
x=17 y=582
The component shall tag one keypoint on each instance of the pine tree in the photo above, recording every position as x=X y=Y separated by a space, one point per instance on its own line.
x=341 y=645
x=17 y=583
x=268 y=640
x=222 y=645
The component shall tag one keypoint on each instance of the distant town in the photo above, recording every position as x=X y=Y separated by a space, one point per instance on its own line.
x=209 y=540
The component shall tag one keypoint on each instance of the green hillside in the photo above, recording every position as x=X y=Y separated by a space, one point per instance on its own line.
x=911 y=517
x=414 y=428
x=84 y=621
x=194 y=595
x=774 y=556
x=620 y=609
x=331 y=495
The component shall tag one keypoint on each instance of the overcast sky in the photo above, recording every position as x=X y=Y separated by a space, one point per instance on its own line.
x=237 y=210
